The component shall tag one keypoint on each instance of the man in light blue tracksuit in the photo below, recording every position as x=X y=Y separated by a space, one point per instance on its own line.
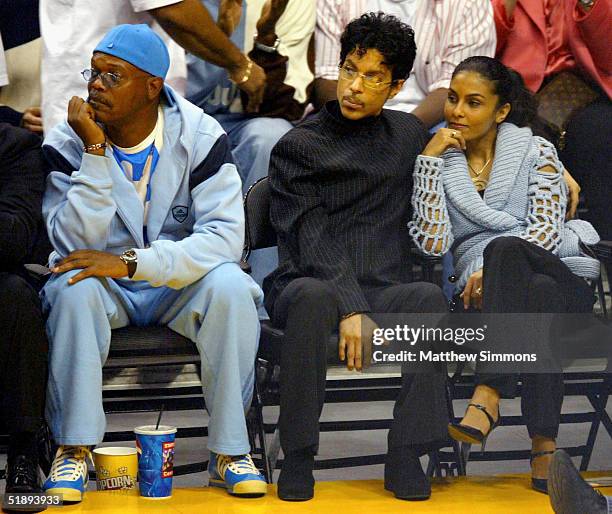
x=144 y=212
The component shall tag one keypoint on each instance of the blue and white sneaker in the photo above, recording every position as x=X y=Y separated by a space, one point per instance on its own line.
x=236 y=474
x=68 y=475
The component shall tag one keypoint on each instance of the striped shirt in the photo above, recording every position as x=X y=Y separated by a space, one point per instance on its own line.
x=446 y=33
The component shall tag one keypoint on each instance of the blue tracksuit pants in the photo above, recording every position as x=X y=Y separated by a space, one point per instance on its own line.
x=218 y=313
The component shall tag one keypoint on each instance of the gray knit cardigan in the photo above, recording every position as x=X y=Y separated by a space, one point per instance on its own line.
x=521 y=199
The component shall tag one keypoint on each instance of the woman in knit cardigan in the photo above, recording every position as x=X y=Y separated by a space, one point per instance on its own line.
x=495 y=192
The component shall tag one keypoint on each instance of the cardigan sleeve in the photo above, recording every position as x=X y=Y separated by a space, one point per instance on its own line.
x=430 y=227
x=547 y=200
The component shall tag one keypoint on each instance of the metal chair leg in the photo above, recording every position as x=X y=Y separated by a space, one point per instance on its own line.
x=602 y=296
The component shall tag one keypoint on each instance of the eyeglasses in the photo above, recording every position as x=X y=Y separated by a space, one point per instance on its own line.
x=370 y=81
x=109 y=79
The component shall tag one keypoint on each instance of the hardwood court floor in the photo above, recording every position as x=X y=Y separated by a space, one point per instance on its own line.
x=504 y=494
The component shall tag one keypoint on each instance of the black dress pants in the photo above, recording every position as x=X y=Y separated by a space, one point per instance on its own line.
x=308 y=310
x=23 y=355
x=520 y=277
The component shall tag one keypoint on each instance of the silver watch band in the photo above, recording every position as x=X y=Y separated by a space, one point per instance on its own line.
x=265 y=48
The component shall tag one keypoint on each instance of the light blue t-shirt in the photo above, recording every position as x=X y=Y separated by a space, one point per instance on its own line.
x=140 y=162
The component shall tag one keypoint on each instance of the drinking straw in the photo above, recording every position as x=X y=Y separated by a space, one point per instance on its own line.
x=161 y=411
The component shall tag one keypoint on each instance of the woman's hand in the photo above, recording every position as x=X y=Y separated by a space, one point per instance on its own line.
x=472 y=293
x=444 y=139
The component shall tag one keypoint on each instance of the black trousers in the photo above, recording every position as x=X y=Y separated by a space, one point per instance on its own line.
x=23 y=355
x=588 y=156
x=520 y=277
x=308 y=310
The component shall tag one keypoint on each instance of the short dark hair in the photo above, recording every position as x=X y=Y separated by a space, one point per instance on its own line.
x=385 y=33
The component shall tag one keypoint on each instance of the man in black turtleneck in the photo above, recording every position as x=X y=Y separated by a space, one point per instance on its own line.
x=341 y=186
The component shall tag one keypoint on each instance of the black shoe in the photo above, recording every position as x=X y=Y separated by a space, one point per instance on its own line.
x=540 y=484
x=404 y=476
x=296 y=482
x=468 y=434
x=22 y=477
x=569 y=493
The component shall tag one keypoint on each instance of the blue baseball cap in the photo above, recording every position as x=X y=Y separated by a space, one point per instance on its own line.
x=138 y=45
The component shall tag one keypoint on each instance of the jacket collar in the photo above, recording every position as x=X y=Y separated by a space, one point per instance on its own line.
x=535 y=11
x=511 y=149
x=179 y=116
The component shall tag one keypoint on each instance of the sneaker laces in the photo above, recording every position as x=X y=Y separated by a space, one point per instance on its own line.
x=240 y=465
x=70 y=463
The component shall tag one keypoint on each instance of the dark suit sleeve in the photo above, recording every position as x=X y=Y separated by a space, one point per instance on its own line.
x=301 y=223
x=11 y=116
x=22 y=176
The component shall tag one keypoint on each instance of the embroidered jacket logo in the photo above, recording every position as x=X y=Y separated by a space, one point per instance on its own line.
x=179 y=213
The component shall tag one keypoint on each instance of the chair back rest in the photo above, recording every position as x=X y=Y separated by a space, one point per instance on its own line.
x=259 y=231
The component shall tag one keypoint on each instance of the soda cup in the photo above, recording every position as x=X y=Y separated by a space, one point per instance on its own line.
x=155 y=460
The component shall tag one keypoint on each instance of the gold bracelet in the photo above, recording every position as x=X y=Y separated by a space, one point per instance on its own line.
x=247 y=73
x=93 y=148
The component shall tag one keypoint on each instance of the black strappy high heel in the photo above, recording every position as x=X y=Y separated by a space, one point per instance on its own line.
x=540 y=484
x=468 y=434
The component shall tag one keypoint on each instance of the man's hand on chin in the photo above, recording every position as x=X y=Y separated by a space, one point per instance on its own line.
x=93 y=263
x=82 y=119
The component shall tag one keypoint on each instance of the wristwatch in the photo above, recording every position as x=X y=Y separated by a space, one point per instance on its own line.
x=265 y=48
x=131 y=260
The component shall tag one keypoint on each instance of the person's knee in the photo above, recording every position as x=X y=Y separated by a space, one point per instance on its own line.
x=431 y=298
x=228 y=285
x=72 y=298
x=16 y=291
x=311 y=294
x=540 y=281
x=502 y=247
x=544 y=294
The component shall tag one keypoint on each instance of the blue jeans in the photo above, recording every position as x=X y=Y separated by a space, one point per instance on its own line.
x=218 y=313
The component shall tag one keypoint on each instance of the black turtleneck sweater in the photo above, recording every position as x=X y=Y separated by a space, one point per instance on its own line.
x=340 y=203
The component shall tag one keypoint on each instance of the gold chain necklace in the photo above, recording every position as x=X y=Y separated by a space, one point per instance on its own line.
x=477 y=173
x=479 y=182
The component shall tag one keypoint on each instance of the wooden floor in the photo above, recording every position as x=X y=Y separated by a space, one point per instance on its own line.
x=474 y=495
